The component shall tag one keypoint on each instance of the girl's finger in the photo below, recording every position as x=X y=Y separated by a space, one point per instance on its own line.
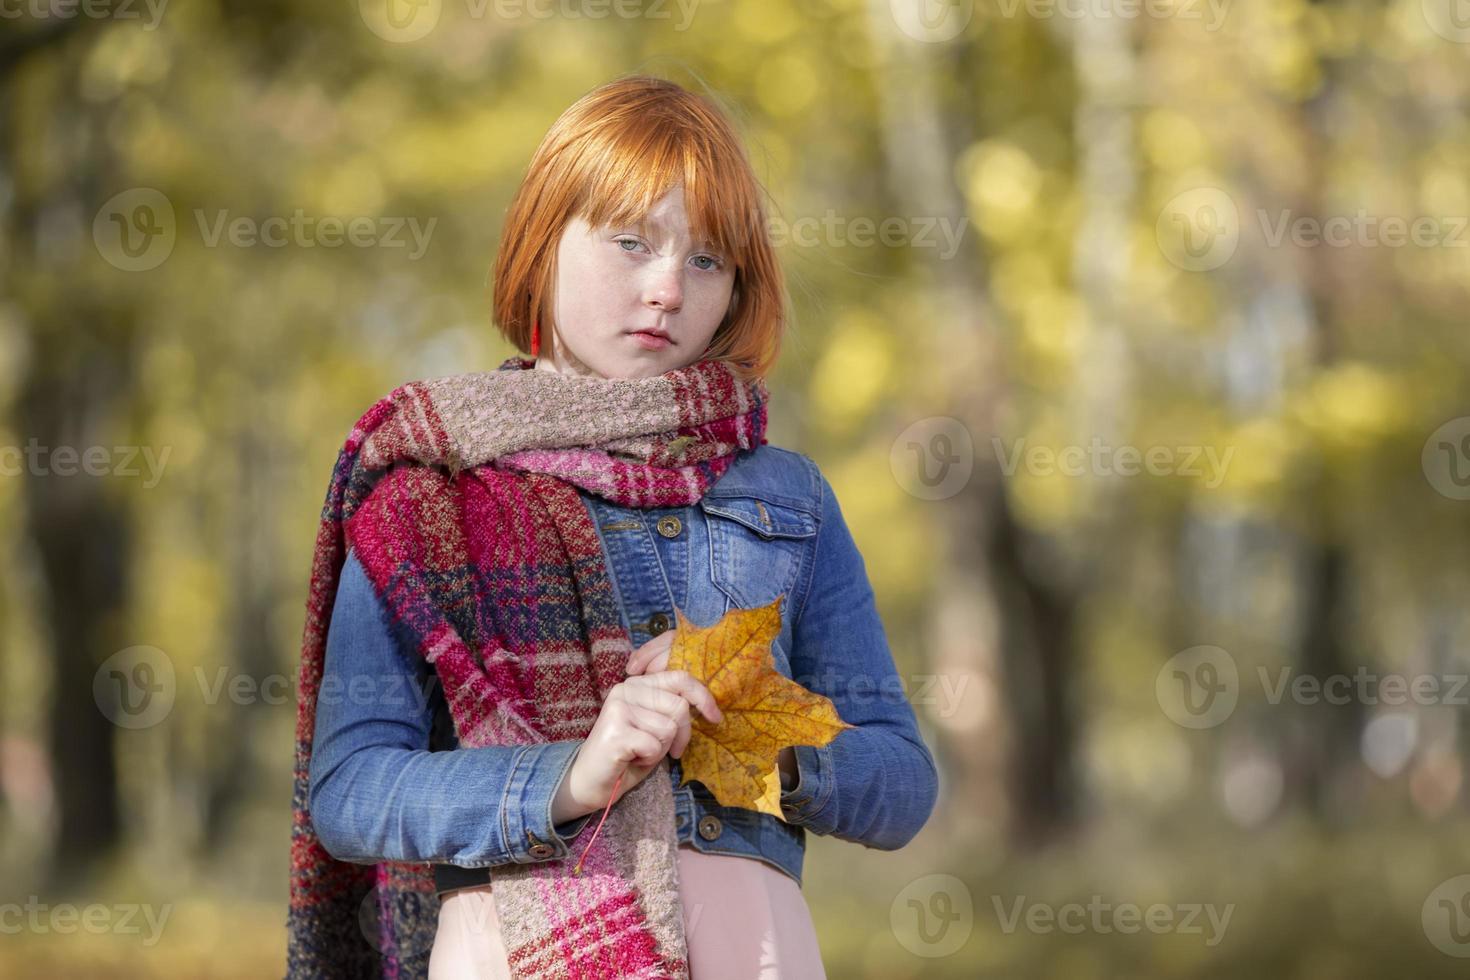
x=654 y=692
x=646 y=748
x=667 y=730
x=682 y=683
x=681 y=738
x=635 y=662
x=639 y=661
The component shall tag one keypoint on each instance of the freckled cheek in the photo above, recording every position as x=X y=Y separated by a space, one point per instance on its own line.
x=710 y=300
x=603 y=291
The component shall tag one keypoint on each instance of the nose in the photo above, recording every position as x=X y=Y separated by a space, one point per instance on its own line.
x=664 y=289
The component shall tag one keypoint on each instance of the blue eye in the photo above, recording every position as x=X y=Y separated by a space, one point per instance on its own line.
x=718 y=263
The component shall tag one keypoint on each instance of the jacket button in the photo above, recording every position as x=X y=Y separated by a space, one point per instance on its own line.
x=542 y=850
x=710 y=826
x=669 y=526
x=657 y=623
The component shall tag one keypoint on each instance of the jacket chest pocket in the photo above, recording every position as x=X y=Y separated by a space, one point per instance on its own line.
x=756 y=548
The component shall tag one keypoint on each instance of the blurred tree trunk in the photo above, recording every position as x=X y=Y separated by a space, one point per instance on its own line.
x=1324 y=744
x=250 y=559
x=1307 y=285
x=999 y=618
x=77 y=374
x=21 y=43
x=82 y=538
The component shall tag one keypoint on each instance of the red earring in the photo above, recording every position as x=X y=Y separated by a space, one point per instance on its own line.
x=536 y=337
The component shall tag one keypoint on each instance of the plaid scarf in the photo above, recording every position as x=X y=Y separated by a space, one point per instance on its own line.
x=459 y=496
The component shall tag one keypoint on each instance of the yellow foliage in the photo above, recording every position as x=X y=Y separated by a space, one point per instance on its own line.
x=790 y=86
x=1263 y=449
x=1002 y=184
x=1351 y=406
x=853 y=372
x=1173 y=141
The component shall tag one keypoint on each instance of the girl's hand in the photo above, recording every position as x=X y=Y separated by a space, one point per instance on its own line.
x=642 y=719
x=653 y=657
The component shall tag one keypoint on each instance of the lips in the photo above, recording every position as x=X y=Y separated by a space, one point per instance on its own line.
x=650 y=340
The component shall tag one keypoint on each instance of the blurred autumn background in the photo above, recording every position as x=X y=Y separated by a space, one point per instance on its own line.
x=1131 y=333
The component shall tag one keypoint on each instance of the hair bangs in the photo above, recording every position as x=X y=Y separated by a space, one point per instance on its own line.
x=629 y=176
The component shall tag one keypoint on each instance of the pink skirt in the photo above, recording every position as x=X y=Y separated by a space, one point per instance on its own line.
x=743 y=920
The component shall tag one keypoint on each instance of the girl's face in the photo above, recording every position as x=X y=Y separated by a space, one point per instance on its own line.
x=614 y=281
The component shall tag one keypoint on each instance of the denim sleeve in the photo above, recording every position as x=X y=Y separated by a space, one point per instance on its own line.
x=376 y=791
x=875 y=784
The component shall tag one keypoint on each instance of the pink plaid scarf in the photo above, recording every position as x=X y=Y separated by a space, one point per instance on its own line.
x=493 y=505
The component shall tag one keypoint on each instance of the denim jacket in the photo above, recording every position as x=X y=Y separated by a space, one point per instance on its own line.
x=384 y=784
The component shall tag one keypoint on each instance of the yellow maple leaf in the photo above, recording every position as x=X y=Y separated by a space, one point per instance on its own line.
x=764 y=711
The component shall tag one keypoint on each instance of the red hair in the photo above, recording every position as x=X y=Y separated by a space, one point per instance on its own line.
x=608 y=158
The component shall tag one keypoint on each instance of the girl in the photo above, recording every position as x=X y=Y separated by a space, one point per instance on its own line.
x=494 y=595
